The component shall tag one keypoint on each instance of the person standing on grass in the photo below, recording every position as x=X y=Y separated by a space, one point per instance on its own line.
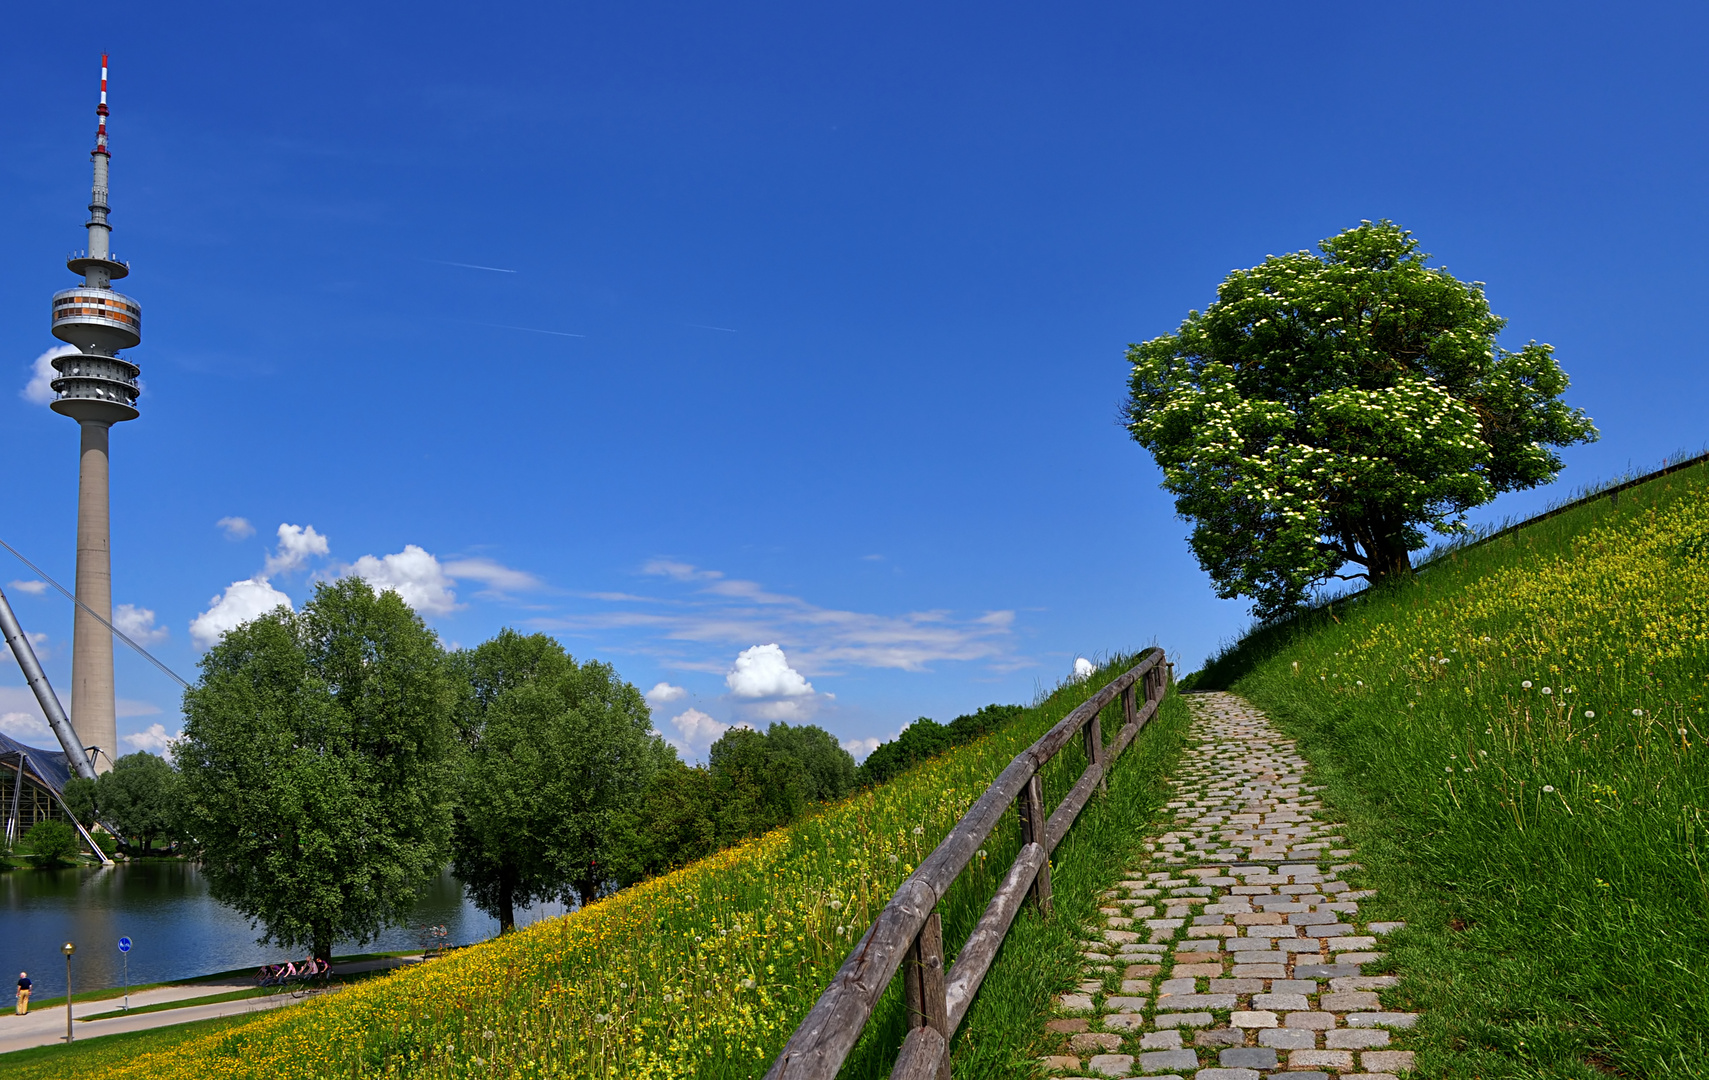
x=24 y=985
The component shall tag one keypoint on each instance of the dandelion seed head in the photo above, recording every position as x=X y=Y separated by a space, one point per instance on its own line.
x=1526 y=684
x=1550 y=788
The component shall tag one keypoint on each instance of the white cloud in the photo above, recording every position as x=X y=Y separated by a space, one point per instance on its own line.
x=27 y=728
x=241 y=602
x=39 y=390
x=154 y=739
x=1083 y=669
x=495 y=576
x=698 y=729
x=414 y=574
x=33 y=588
x=725 y=611
x=297 y=544
x=860 y=748
x=664 y=693
x=764 y=672
x=137 y=623
x=235 y=528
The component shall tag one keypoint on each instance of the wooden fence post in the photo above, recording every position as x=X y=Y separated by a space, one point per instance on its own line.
x=1031 y=807
x=924 y=985
x=1093 y=736
x=1130 y=712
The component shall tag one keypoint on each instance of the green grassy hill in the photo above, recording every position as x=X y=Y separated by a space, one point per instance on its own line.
x=706 y=971
x=1517 y=740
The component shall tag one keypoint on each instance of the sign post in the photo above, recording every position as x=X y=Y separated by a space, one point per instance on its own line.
x=125 y=951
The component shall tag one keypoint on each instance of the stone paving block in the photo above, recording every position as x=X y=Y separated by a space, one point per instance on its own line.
x=1141 y=971
x=1220 y=1037
x=1165 y=924
x=1352 y=1001
x=1160 y=1040
x=1136 y=986
x=1280 y=1002
x=1288 y=1038
x=1159 y=1060
x=1356 y=941
x=1369 y=1076
x=1121 y=937
x=1382 y=928
x=1111 y=1064
x=1293 y=986
x=1247 y=1057
x=1090 y=1042
x=1177 y=986
x=1304 y=945
x=1075 y=1003
x=1235 y=986
x=1382 y=1019
x=1324 y=971
x=1067 y=1027
x=1327 y=1059
x=1213 y=931
x=1226 y=1074
x=1195 y=971
x=1313 y=918
x=1207 y=1001
x=1291 y=1075
x=1124 y=1003
x=1356 y=1038
x=1391 y=1061
x=1260 y=971
x=1272 y=931
x=1253 y=1019
x=1124 y=1021
x=1363 y=982
x=1312 y=1021
x=1059 y=1061
x=1182 y=1019
x=1333 y=930
x=1360 y=958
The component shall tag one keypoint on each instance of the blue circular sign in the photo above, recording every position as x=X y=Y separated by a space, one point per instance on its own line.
x=124 y=944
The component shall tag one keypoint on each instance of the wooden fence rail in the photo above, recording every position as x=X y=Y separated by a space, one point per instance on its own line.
x=908 y=934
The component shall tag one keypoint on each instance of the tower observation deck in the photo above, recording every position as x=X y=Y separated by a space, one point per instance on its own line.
x=97 y=388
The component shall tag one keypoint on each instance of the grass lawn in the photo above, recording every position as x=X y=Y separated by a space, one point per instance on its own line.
x=94 y=1057
x=1516 y=742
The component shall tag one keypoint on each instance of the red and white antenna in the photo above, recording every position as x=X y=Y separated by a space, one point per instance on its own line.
x=101 y=112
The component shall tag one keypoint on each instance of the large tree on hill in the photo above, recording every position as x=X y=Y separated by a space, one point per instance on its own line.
x=317 y=766
x=557 y=753
x=1330 y=407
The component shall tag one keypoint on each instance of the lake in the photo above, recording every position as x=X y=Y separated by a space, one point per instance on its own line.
x=177 y=931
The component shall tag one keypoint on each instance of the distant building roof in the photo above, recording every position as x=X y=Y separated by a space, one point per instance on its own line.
x=49 y=765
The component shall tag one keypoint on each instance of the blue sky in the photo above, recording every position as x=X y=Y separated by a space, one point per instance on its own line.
x=683 y=330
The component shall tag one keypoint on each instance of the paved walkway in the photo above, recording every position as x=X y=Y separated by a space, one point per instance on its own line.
x=46 y=1026
x=1226 y=981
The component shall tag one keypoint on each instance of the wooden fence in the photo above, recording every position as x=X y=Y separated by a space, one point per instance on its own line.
x=908 y=934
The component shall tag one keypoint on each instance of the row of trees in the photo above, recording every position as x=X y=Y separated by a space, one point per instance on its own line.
x=335 y=759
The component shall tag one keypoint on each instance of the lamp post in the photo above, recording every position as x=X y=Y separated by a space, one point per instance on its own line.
x=68 y=948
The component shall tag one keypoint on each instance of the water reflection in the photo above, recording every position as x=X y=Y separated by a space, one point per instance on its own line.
x=176 y=929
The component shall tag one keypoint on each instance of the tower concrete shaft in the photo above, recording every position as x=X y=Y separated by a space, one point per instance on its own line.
x=97 y=388
x=94 y=702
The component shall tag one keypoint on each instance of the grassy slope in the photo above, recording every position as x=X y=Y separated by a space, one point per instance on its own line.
x=1546 y=847
x=703 y=972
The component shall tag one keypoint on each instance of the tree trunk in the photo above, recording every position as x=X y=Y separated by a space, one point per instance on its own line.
x=323 y=941
x=587 y=885
x=506 y=904
x=1389 y=562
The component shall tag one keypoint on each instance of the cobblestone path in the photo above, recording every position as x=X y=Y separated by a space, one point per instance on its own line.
x=1212 y=959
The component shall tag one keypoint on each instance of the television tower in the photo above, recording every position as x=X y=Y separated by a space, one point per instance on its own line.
x=97 y=389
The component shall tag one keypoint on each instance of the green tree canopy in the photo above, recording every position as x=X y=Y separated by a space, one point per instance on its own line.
x=51 y=843
x=139 y=797
x=317 y=766
x=557 y=753
x=1330 y=407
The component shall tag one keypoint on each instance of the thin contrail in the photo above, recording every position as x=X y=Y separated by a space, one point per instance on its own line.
x=472 y=266
x=529 y=329
x=703 y=326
